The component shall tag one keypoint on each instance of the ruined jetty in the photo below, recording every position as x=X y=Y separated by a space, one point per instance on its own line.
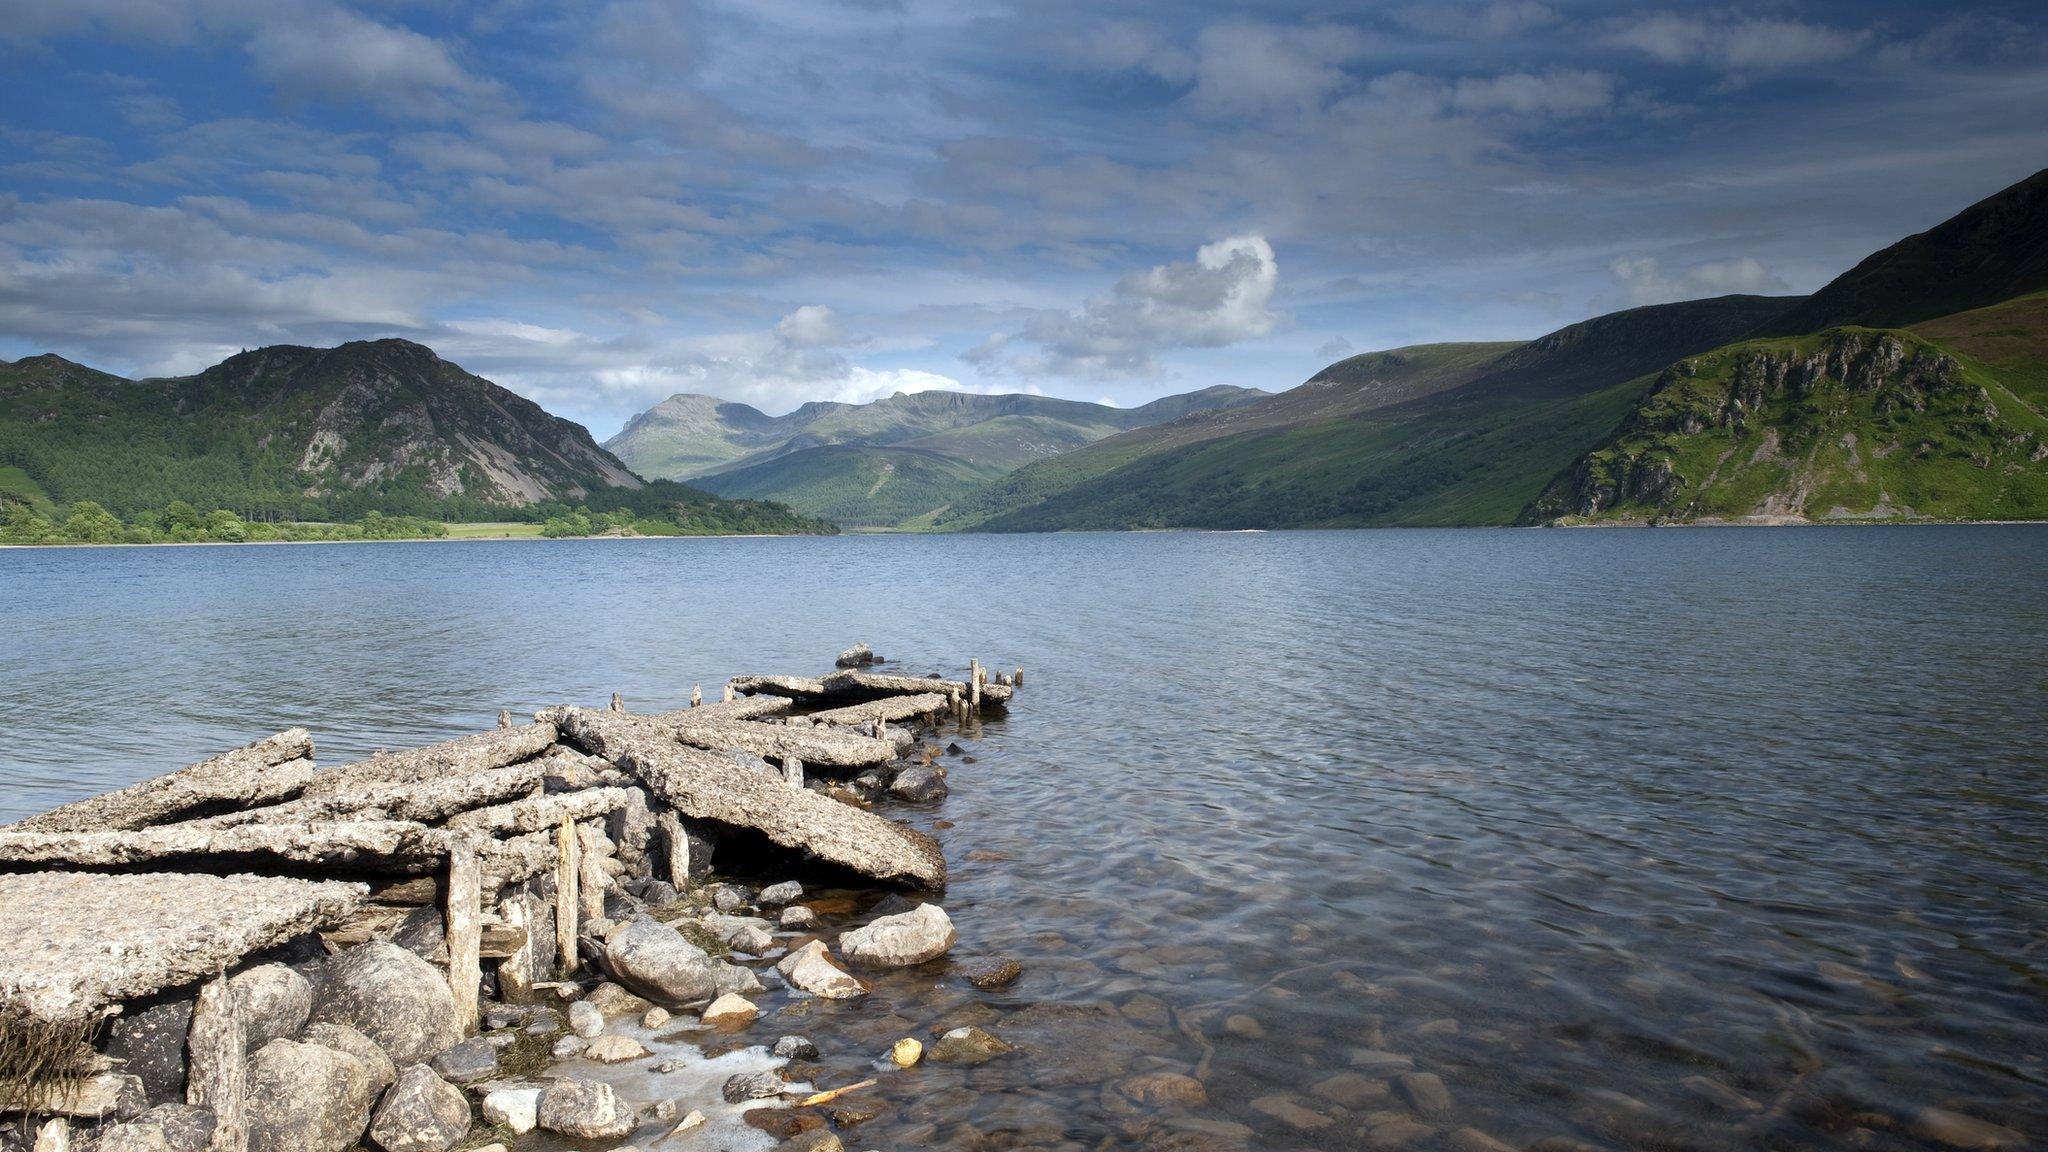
x=173 y=952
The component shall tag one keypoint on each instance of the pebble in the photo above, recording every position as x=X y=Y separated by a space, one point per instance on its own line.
x=1395 y=1132
x=1374 y=1058
x=1165 y=1088
x=1719 y=1094
x=729 y=897
x=1425 y=1092
x=796 y=1048
x=1959 y=1131
x=504 y=1016
x=654 y=1018
x=906 y=1052
x=615 y=1050
x=989 y=975
x=1473 y=1140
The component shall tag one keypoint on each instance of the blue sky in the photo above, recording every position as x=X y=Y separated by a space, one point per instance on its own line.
x=601 y=204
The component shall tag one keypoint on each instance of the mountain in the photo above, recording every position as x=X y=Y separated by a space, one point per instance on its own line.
x=882 y=463
x=1899 y=392
x=1992 y=251
x=1431 y=434
x=289 y=432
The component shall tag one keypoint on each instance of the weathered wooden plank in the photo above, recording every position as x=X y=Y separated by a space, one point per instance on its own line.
x=464 y=915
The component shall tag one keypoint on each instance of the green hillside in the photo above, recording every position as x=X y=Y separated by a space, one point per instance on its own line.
x=1436 y=434
x=856 y=486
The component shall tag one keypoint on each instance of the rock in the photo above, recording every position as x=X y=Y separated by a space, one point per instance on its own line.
x=654 y=1018
x=1290 y=1112
x=1395 y=1132
x=306 y=1098
x=654 y=960
x=568 y=1047
x=585 y=1020
x=812 y=969
x=424 y=934
x=660 y=893
x=924 y=933
x=776 y=895
x=276 y=1001
x=151 y=1044
x=517 y=1110
x=796 y=1048
x=1351 y=1090
x=816 y=1140
x=1424 y=1092
x=858 y=656
x=746 y=1086
x=989 y=975
x=473 y=1060
x=919 y=785
x=1473 y=1140
x=615 y=1050
x=1243 y=1027
x=1718 y=1094
x=165 y=1128
x=1154 y=1088
x=750 y=939
x=730 y=897
x=799 y=917
x=421 y=1113
x=970 y=1045
x=585 y=1109
x=782 y=1123
x=343 y=1038
x=906 y=1052
x=391 y=996
x=613 y=1000
x=505 y=1016
x=1956 y=1130
x=731 y=1011
x=543 y=1021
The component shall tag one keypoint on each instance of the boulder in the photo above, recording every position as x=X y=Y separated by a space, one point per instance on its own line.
x=516 y=1110
x=970 y=1046
x=470 y=1062
x=150 y=1042
x=919 y=784
x=343 y=1038
x=913 y=937
x=421 y=1113
x=398 y=1000
x=165 y=1128
x=654 y=960
x=306 y=1098
x=584 y=1109
x=812 y=969
x=776 y=895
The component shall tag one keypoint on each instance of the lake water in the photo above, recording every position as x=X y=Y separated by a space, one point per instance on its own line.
x=1652 y=839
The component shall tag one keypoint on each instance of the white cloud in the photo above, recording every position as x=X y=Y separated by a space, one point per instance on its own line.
x=811 y=326
x=1646 y=283
x=1256 y=68
x=342 y=56
x=1738 y=43
x=1223 y=296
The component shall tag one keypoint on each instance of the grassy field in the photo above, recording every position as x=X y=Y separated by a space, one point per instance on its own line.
x=488 y=531
x=16 y=483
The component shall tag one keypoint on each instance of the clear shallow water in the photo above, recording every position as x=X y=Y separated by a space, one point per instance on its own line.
x=1688 y=839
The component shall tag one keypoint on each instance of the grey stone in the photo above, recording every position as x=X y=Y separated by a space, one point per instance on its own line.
x=165 y=1128
x=544 y=1021
x=660 y=892
x=924 y=933
x=919 y=785
x=424 y=933
x=505 y=1016
x=747 y=1086
x=568 y=1047
x=796 y=1048
x=515 y=1109
x=991 y=974
x=730 y=897
x=398 y=1000
x=1424 y=1092
x=799 y=917
x=585 y=1109
x=306 y=1098
x=472 y=1061
x=654 y=960
x=421 y=1113
x=151 y=1042
x=970 y=1046
x=813 y=969
x=343 y=1038
x=585 y=1019
x=776 y=895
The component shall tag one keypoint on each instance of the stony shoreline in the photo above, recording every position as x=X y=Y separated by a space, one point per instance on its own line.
x=513 y=936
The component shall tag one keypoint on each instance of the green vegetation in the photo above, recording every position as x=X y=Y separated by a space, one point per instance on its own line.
x=86 y=522
x=493 y=530
x=1849 y=424
x=857 y=487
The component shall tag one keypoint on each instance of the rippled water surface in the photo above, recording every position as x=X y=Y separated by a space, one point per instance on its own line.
x=1702 y=839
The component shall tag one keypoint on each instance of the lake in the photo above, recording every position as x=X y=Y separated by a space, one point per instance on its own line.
x=1633 y=838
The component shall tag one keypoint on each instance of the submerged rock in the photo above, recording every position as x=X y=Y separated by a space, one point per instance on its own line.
x=906 y=1052
x=421 y=1113
x=913 y=937
x=306 y=1098
x=989 y=975
x=812 y=969
x=398 y=1000
x=1155 y=1088
x=919 y=785
x=585 y=1109
x=970 y=1046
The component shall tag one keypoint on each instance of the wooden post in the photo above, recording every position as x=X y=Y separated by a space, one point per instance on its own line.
x=793 y=772
x=54 y=1136
x=678 y=847
x=217 y=1064
x=1017 y=678
x=515 y=972
x=974 y=684
x=618 y=703
x=567 y=853
x=696 y=695
x=464 y=921
x=730 y=695
x=590 y=885
x=504 y=717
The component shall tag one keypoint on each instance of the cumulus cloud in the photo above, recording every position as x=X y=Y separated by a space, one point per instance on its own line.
x=1223 y=296
x=1647 y=283
x=1738 y=43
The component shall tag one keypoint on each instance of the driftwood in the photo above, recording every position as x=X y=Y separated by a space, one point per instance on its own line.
x=423 y=803
x=538 y=813
x=702 y=786
x=73 y=944
x=886 y=709
x=363 y=846
x=217 y=1066
x=460 y=757
x=273 y=768
x=779 y=742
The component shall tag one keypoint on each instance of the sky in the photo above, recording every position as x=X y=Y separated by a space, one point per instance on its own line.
x=601 y=204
